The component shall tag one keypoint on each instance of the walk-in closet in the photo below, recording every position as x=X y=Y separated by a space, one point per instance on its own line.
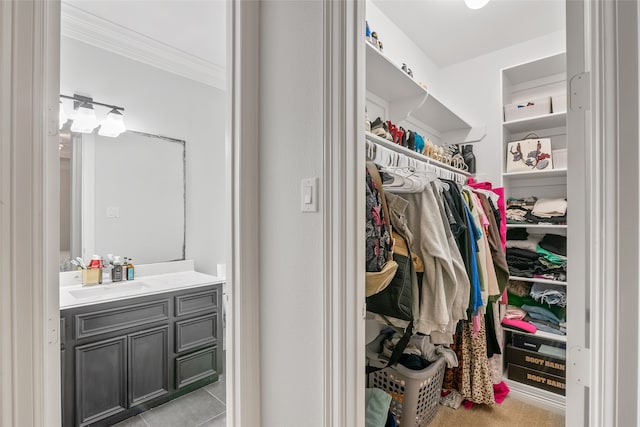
x=467 y=226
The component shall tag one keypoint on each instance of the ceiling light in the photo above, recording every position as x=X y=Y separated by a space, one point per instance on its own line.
x=62 y=116
x=476 y=4
x=113 y=125
x=85 y=120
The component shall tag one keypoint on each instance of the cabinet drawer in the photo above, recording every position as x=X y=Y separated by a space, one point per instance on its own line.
x=196 y=366
x=196 y=302
x=104 y=321
x=196 y=332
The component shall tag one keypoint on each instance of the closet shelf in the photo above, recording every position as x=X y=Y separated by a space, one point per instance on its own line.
x=531 y=124
x=386 y=80
x=541 y=334
x=534 y=280
x=544 y=226
x=533 y=174
x=406 y=97
x=535 y=70
x=410 y=153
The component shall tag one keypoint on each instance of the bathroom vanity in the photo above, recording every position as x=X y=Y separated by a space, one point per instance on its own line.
x=132 y=345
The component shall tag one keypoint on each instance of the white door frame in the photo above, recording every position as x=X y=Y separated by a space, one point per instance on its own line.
x=29 y=213
x=29 y=350
x=243 y=204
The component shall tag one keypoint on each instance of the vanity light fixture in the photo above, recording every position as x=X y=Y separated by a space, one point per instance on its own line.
x=113 y=125
x=84 y=120
x=476 y=4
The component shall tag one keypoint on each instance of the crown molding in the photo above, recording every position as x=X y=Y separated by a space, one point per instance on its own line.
x=101 y=33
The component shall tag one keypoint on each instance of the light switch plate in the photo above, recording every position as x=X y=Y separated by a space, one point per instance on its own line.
x=113 y=212
x=309 y=195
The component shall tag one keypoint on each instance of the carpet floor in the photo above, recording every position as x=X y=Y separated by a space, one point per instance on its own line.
x=511 y=413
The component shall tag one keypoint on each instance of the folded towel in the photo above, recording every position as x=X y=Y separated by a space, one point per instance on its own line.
x=546 y=208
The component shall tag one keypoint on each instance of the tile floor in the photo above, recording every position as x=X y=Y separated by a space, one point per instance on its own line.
x=204 y=407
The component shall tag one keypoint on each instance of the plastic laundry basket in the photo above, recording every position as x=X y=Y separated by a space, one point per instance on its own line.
x=415 y=395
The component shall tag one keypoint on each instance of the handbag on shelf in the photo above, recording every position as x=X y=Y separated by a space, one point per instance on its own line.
x=529 y=155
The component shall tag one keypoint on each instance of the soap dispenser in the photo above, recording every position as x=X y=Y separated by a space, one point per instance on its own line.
x=116 y=271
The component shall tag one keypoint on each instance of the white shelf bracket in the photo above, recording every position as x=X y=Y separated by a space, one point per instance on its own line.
x=464 y=136
x=401 y=108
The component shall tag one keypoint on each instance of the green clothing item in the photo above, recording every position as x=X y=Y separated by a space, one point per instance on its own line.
x=556 y=259
x=560 y=312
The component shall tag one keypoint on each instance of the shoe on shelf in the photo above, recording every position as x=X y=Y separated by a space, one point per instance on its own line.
x=380 y=128
x=469 y=158
x=411 y=140
x=403 y=137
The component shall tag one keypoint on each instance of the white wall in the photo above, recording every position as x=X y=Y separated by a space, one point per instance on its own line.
x=291 y=255
x=162 y=103
x=399 y=48
x=473 y=90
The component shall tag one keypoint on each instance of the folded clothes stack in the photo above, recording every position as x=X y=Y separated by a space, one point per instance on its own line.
x=537 y=256
x=531 y=210
x=536 y=307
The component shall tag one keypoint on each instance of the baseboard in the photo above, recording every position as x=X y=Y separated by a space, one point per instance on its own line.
x=535 y=396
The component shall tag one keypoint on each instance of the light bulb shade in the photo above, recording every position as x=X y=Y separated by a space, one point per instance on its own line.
x=113 y=125
x=62 y=116
x=85 y=120
x=476 y=4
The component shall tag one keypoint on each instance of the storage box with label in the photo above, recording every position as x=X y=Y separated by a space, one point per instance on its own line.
x=529 y=155
x=541 y=345
x=533 y=360
x=526 y=109
x=536 y=379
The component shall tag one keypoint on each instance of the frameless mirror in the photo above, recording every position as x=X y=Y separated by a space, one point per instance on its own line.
x=122 y=196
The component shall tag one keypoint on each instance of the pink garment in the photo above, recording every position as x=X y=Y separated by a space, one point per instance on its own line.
x=500 y=391
x=477 y=324
x=467 y=404
x=503 y=215
x=501 y=206
x=520 y=324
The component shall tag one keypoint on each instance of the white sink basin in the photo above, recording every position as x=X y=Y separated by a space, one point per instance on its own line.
x=95 y=291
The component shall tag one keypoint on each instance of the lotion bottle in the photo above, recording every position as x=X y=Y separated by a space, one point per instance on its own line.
x=130 y=270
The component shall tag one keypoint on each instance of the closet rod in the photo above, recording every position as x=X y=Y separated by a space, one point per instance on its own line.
x=413 y=154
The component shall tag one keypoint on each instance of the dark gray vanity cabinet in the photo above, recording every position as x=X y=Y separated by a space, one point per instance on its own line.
x=123 y=357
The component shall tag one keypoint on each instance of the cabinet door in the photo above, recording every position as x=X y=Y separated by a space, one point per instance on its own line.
x=101 y=378
x=148 y=365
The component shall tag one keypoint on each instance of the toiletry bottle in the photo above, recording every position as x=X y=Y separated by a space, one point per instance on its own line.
x=106 y=277
x=95 y=264
x=124 y=268
x=116 y=271
x=130 y=270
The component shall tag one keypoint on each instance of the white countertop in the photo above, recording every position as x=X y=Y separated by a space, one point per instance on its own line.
x=150 y=284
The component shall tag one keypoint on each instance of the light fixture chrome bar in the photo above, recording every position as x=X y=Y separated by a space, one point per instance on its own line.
x=85 y=99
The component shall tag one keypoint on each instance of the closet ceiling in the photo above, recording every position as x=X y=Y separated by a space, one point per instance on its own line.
x=449 y=32
x=194 y=27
